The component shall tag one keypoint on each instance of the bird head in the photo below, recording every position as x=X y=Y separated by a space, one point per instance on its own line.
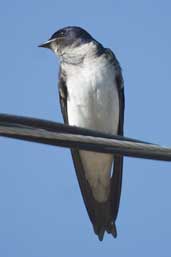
x=68 y=40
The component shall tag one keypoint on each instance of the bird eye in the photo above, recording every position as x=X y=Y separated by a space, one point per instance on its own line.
x=62 y=33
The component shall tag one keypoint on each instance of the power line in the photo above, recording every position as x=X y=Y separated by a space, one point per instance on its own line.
x=57 y=134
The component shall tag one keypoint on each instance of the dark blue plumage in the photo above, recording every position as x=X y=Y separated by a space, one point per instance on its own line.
x=73 y=34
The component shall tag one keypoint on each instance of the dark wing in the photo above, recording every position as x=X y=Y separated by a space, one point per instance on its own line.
x=116 y=180
x=99 y=213
x=63 y=94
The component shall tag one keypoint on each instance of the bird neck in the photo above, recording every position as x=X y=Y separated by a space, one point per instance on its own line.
x=76 y=54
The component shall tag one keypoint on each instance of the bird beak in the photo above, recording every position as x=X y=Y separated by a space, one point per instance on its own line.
x=47 y=44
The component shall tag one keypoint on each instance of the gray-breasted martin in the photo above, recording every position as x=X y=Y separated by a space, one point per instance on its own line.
x=91 y=95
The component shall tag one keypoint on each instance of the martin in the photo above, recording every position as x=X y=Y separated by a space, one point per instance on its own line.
x=91 y=95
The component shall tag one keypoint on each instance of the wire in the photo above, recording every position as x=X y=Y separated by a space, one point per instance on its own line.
x=57 y=134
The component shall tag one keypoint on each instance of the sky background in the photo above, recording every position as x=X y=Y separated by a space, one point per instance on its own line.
x=41 y=210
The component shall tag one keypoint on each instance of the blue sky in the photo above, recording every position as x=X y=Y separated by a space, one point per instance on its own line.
x=41 y=210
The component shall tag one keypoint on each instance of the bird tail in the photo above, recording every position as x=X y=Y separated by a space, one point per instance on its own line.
x=100 y=213
x=111 y=229
x=104 y=220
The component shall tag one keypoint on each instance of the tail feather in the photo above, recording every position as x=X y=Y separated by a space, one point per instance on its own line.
x=104 y=220
x=110 y=229
x=100 y=213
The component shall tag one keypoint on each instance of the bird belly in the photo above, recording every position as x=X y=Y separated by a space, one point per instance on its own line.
x=93 y=103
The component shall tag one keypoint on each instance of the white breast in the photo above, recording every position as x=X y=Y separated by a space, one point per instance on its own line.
x=93 y=103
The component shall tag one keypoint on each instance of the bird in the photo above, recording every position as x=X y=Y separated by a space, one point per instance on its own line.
x=91 y=94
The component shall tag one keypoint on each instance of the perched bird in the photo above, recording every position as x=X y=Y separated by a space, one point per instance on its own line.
x=91 y=93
